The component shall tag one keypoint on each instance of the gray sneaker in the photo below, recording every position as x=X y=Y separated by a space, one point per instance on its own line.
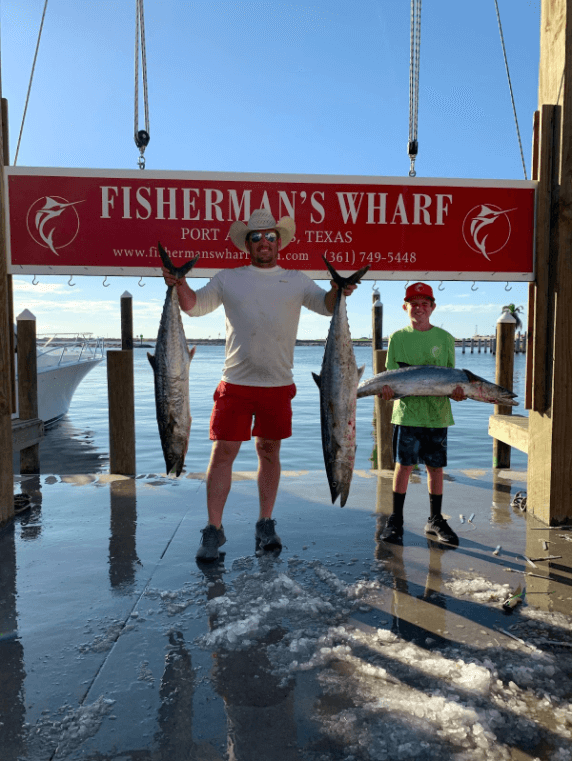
x=438 y=526
x=212 y=539
x=266 y=536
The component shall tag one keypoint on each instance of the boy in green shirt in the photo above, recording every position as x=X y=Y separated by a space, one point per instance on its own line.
x=421 y=422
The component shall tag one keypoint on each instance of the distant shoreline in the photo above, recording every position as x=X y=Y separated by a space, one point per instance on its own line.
x=148 y=343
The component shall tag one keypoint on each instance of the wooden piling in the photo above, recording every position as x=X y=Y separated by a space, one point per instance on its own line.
x=28 y=386
x=463 y=345
x=121 y=401
x=126 y=302
x=504 y=377
x=6 y=474
x=382 y=409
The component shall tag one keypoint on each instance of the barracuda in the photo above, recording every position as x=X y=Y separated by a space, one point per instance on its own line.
x=171 y=374
x=430 y=380
x=337 y=383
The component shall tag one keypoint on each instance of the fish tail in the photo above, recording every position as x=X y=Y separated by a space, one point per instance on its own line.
x=343 y=282
x=177 y=272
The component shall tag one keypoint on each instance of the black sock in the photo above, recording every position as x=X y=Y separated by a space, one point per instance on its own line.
x=435 y=505
x=398 y=505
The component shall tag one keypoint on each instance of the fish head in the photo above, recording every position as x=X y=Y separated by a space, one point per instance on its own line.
x=174 y=451
x=339 y=479
x=174 y=462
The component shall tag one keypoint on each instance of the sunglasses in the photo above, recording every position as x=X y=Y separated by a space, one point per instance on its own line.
x=256 y=237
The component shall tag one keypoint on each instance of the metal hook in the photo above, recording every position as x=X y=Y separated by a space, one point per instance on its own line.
x=374 y=286
x=506 y=288
x=140 y=284
x=406 y=286
x=35 y=281
x=104 y=285
x=476 y=288
x=440 y=286
x=70 y=281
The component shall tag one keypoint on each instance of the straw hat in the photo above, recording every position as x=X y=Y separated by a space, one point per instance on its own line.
x=261 y=219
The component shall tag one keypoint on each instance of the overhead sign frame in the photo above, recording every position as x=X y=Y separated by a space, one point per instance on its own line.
x=108 y=222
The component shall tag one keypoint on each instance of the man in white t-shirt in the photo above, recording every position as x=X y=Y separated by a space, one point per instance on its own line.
x=262 y=305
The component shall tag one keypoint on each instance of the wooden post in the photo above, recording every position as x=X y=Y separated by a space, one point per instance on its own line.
x=504 y=377
x=6 y=474
x=6 y=156
x=384 y=420
x=382 y=409
x=126 y=321
x=463 y=345
x=28 y=386
x=549 y=449
x=121 y=412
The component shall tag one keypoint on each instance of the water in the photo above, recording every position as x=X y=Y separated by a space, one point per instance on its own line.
x=80 y=443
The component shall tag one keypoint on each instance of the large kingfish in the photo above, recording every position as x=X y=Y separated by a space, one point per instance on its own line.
x=171 y=372
x=432 y=380
x=337 y=383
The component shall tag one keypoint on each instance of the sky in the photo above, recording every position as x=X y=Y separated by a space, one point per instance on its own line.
x=274 y=87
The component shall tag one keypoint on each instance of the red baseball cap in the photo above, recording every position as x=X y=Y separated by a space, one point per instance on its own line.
x=419 y=290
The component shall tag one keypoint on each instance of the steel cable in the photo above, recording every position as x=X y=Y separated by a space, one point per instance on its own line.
x=510 y=89
x=415 y=35
x=30 y=84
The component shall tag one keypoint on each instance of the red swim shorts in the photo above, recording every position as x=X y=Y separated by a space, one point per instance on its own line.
x=236 y=406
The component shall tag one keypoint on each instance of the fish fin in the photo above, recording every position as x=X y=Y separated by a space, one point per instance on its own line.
x=192 y=352
x=177 y=272
x=361 y=371
x=342 y=282
x=316 y=379
x=473 y=378
x=151 y=358
x=404 y=364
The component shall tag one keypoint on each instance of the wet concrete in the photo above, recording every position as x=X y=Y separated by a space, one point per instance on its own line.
x=114 y=644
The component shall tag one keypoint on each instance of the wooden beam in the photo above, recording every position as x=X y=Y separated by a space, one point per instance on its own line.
x=532 y=287
x=541 y=357
x=6 y=473
x=511 y=429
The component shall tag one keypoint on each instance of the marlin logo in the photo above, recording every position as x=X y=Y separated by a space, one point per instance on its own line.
x=43 y=222
x=487 y=223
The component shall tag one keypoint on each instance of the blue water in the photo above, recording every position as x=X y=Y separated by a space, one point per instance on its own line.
x=80 y=444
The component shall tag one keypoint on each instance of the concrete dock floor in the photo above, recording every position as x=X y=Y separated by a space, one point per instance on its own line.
x=114 y=644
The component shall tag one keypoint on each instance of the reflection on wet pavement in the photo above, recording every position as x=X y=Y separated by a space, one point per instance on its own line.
x=115 y=644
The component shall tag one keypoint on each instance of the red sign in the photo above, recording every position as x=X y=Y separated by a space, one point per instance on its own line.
x=102 y=222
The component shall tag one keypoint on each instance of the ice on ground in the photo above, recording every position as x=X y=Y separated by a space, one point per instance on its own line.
x=57 y=736
x=408 y=701
x=479 y=589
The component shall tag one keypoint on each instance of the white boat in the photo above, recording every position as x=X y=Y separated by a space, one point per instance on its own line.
x=63 y=361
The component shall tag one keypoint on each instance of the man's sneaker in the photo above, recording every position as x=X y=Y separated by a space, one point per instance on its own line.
x=438 y=526
x=266 y=536
x=212 y=539
x=393 y=531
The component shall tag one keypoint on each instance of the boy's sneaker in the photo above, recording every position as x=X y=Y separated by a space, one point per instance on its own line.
x=212 y=539
x=393 y=531
x=266 y=536
x=438 y=526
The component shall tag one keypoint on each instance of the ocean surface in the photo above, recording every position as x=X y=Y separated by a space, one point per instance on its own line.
x=80 y=442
